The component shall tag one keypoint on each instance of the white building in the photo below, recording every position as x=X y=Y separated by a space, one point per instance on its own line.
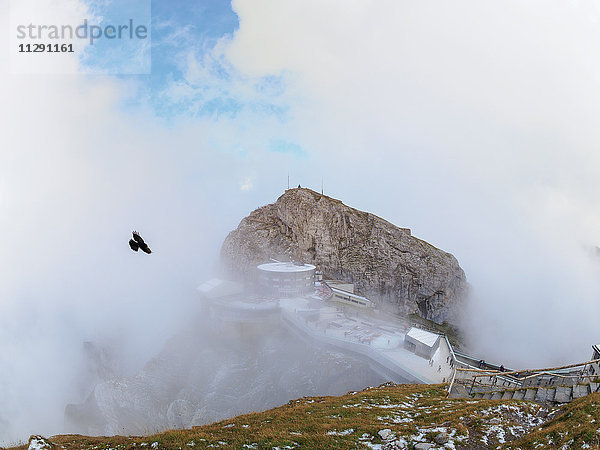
x=340 y=295
x=227 y=301
x=287 y=279
x=342 y=285
x=421 y=342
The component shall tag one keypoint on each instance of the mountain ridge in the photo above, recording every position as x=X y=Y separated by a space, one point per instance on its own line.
x=384 y=261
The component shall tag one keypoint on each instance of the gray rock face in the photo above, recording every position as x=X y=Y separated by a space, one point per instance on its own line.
x=385 y=434
x=424 y=446
x=385 y=262
x=441 y=438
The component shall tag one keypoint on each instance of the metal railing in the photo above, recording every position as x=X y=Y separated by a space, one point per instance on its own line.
x=515 y=379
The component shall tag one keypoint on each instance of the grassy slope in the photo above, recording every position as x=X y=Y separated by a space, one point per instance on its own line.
x=415 y=413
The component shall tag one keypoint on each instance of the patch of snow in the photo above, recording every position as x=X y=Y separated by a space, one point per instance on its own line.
x=398 y=444
x=372 y=446
x=341 y=433
x=403 y=420
x=365 y=440
x=38 y=443
x=498 y=431
x=516 y=430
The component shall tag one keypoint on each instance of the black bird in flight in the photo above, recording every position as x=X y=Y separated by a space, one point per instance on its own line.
x=138 y=242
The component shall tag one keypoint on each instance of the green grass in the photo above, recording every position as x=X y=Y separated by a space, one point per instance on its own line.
x=576 y=425
x=414 y=413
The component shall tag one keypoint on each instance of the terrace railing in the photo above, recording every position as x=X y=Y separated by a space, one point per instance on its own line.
x=472 y=377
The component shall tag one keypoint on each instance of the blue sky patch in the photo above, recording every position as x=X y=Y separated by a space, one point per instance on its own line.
x=120 y=39
x=283 y=146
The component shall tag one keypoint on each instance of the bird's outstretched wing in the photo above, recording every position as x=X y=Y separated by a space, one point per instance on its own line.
x=134 y=245
x=140 y=243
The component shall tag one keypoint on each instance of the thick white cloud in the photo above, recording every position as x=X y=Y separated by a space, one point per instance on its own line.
x=473 y=122
x=77 y=173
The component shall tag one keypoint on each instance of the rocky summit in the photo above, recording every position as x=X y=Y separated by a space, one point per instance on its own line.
x=385 y=263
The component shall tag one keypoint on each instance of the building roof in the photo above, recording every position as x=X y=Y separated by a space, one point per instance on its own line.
x=426 y=337
x=286 y=267
x=349 y=294
x=217 y=288
x=341 y=285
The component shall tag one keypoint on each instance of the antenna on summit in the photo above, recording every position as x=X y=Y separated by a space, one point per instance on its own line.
x=321 y=185
x=288 y=180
